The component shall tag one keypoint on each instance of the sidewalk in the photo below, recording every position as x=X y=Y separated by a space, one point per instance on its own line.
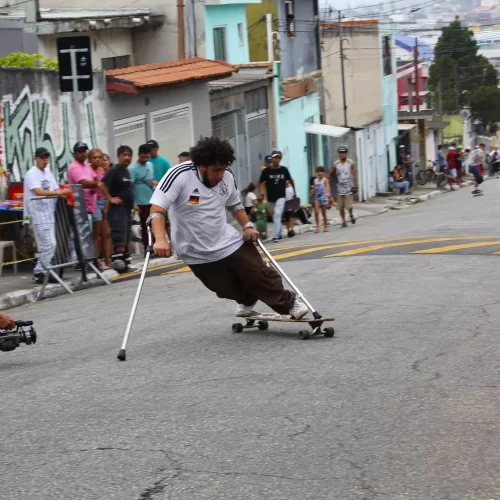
x=18 y=290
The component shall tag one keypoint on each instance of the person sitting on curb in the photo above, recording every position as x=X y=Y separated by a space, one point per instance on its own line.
x=398 y=181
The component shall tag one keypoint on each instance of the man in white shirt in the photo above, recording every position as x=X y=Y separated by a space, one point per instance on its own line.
x=196 y=196
x=39 y=181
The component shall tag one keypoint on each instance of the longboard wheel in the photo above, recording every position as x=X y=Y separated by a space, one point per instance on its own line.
x=329 y=332
x=237 y=327
x=304 y=334
x=263 y=325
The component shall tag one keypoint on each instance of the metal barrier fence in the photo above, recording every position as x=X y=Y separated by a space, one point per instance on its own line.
x=63 y=238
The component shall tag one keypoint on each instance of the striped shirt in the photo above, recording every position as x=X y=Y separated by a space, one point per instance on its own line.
x=200 y=231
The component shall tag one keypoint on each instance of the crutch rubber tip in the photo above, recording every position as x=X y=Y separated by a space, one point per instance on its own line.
x=122 y=355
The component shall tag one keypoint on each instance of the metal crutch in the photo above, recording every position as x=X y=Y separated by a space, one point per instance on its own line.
x=315 y=313
x=122 y=355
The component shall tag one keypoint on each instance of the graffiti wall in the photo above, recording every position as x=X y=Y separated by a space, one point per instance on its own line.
x=33 y=113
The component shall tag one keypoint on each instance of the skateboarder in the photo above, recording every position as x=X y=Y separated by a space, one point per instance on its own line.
x=196 y=196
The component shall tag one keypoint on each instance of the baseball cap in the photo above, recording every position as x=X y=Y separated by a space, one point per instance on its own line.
x=41 y=153
x=276 y=153
x=153 y=143
x=80 y=147
x=402 y=146
x=342 y=149
x=268 y=158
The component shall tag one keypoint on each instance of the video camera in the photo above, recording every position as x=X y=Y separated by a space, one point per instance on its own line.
x=10 y=340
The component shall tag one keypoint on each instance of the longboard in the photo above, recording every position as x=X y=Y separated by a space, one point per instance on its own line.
x=261 y=321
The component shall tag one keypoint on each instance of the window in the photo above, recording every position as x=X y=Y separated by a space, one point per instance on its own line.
x=173 y=129
x=387 y=56
x=220 y=43
x=130 y=132
x=290 y=17
x=117 y=62
x=240 y=34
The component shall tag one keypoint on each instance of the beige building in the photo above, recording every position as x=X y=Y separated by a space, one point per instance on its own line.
x=363 y=73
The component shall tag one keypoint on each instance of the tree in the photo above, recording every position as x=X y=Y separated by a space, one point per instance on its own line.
x=485 y=105
x=22 y=60
x=458 y=68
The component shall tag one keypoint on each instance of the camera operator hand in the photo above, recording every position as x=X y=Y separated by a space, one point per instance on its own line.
x=6 y=323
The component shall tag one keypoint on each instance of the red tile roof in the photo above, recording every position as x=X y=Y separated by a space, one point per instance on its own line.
x=167 y=73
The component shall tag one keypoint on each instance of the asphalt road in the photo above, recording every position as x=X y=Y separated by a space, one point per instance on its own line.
x=402 y=404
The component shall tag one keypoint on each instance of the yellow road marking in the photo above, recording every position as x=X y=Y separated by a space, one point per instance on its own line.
x=452 y=248
x=373 y=248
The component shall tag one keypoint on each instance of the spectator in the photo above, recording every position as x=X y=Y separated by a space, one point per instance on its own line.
x=106 y=163
x=39 y=181
x=451 y=159
x=184 y=156
x=80 y=172
x=398 y=180
x=160 y=164
x=101 y=231
x=251 y=199
x=267 y=163
x=406 y=162
x=459 y=162
x=275 y=178
x=120 y=196
x=292 y=203
x=322 y=197
x=142 y=179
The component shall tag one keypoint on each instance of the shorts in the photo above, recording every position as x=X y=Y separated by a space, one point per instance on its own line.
x=345 y=201
x=99 y=209
x=322 y=200
x=474 y=170
x=452 y=172
x=120 y=222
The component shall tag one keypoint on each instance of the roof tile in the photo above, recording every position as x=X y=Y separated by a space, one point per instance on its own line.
x=152 y=75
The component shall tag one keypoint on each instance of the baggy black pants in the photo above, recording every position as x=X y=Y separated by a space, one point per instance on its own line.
x=244 y=277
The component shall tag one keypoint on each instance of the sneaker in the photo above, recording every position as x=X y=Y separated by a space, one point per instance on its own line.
x=38 y=278
x=344 y=224
x=353 y=220
x=243 y=311
x=299 y=310
x=276 y=240
x=291 y=233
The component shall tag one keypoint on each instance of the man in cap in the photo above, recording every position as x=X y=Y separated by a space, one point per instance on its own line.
x=267 y=163
x=275 y=178
x=160 y=164
x=80 y=172
x=347 y=179
x=39 y=181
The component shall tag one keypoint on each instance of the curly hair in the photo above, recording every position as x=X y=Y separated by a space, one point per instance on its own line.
x=212 y=150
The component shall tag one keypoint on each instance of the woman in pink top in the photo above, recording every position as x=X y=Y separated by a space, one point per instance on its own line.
x=101 y=231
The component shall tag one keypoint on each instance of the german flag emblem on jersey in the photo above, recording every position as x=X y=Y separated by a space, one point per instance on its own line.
x=194 y=199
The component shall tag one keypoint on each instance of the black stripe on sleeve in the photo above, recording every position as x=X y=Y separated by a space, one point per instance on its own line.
x=234 y=178
x=173 y=174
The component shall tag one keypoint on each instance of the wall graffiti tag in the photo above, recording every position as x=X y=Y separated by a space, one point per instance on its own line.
x=31 y=121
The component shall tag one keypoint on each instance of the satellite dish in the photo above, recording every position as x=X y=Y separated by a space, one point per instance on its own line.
x=465 y=114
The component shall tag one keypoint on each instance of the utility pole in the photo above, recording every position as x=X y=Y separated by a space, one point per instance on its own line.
x=341 y=40
x=417 y=90
x=180 y=30
x=195 y=35
x=270 y=44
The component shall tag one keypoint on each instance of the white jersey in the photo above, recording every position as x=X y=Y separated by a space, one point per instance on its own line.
x=198 y=215
x=41 y=211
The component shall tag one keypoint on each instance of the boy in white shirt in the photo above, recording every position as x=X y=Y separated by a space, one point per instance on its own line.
x=39 y=181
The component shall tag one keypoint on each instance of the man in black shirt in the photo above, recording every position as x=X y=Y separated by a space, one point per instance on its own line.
x=120 y=195
x=275 y=178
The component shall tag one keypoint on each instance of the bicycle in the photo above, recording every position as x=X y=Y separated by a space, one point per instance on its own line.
x=428 y=174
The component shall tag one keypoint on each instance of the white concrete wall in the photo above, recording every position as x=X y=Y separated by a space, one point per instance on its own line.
x=363 y=78
x=104 y=43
